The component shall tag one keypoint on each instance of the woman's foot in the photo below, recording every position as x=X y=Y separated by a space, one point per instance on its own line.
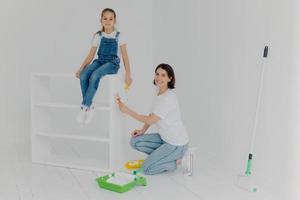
x=179 y=162
x=187 y=161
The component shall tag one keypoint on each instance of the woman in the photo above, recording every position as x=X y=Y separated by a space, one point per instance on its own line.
x=167 y=147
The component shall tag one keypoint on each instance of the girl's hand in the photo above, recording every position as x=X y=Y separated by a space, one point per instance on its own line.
x=123 y=108
x=128 y=80
x=137 y=132
x=78 y=73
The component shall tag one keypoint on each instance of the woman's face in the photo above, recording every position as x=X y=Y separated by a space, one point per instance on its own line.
x=108 y=20
x=161 y=78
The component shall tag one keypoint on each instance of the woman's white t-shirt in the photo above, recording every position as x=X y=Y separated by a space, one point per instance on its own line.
x=96 y=40
x=170 y=127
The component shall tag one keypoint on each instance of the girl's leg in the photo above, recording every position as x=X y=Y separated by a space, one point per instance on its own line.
x=85 y=76
x=163 y=159
x=146 y=143
x=107 y=68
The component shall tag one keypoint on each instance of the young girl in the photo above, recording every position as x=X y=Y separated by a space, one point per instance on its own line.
x=167 y=147
x=109 y=43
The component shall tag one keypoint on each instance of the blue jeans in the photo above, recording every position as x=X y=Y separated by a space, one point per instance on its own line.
x=162 y=156
x=90 y=78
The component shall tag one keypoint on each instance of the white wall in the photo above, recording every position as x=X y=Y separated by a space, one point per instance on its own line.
x=293 y=104
x=216 y=47
x=54 y=36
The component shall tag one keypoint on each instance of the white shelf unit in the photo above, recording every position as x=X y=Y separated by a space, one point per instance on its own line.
x=57 y=139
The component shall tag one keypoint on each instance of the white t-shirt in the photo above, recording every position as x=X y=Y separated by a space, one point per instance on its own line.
x=96 y=40
x=170 y=127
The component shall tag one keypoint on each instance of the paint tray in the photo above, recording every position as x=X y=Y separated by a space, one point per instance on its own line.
x=120 y=181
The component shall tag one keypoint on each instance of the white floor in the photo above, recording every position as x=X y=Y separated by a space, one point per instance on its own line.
x=22 y=180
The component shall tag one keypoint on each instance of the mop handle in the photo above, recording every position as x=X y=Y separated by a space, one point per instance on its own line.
x=258 y=102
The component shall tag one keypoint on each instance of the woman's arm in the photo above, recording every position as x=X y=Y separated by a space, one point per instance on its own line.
x=145 y=127
x=89 y=58
x=151 y=119
x=148 y=120
x=141 y=131
x=128 y=79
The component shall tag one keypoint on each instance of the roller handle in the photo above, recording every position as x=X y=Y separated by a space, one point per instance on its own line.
x=266 y=51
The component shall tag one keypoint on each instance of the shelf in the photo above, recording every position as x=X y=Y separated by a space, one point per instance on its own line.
x=63 y=75
x=54 y=119
x=51 y=89
x=74 y=153
x=58 y=139
x=59 y=75
x=74 y=137
x=72 y=166
x=71 y=106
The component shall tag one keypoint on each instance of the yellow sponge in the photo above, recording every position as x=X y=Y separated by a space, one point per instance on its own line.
x=135 y=164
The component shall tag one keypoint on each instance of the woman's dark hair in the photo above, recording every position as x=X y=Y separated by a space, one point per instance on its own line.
x=170 y=73
x=108 y=10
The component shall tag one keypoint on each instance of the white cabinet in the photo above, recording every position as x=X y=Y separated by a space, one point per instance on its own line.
x=57 y=139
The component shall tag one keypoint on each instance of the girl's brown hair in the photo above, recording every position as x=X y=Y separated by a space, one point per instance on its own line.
x=107 y=10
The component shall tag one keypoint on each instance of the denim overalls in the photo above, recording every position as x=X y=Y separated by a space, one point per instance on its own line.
x=106 y=63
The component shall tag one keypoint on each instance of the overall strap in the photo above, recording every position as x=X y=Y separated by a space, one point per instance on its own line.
x=117 y=35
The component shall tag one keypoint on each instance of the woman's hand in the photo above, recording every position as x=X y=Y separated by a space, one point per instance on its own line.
x=137 y=132
x=123 y=108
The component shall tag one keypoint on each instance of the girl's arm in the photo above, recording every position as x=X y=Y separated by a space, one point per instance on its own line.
x=128 y=78
x=89 y=58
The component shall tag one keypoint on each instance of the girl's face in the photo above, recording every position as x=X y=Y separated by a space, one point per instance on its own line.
x=108 y=20
x=161 y=78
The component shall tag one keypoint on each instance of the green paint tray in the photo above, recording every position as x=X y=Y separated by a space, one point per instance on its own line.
x=120 y=181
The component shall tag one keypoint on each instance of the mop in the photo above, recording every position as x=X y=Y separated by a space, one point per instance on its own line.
x=246 y=181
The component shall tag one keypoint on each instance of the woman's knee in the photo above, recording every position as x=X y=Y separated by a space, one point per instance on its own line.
x=152 y=169
x=146 y=168
x=147 y=164
x=132 y=142
x=147 y=171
